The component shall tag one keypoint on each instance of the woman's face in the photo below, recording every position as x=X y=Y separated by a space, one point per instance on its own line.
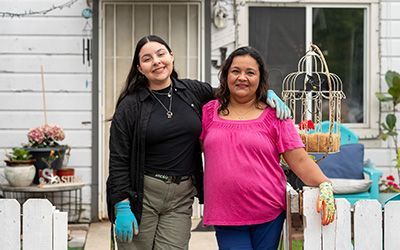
x=243 y=77
x=156 y=63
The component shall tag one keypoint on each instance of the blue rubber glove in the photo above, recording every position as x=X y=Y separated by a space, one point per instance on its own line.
x=124 y=222
x=282 y=111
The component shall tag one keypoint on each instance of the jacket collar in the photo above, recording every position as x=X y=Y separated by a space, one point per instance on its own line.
x=144 y=92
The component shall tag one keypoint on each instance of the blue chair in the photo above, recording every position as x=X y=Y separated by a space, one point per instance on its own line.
x=349 y=164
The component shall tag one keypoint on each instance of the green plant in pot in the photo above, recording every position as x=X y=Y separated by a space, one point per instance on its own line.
x=20 y=170
x=44 y=145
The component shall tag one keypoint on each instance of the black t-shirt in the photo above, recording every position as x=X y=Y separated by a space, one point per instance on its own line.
x=170 y=143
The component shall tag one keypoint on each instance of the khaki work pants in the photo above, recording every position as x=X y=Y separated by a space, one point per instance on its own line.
x=166 y=218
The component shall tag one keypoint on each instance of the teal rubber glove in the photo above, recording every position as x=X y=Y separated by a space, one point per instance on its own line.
x=282 y=111
x=125 y=222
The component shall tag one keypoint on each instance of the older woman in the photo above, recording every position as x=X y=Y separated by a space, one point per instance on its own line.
x=244 y=185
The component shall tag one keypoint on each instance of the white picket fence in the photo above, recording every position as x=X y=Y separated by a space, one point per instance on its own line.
x=43 y=227
x=372 y=231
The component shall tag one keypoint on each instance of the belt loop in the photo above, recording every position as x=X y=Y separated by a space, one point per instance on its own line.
x=177 y=179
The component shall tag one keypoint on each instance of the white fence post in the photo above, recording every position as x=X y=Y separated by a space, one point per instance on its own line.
x=392 y=222
x=10 y=221
x=367 y=225
x=37 y=225
x=60 y=230
x=312 y=220
x=343 y=225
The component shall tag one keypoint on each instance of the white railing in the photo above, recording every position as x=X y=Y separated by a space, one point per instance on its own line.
x=374 y=227
x=43 y=227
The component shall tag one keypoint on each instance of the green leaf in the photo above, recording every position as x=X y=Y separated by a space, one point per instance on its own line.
x=383 y=136
x=389 y=77
x=383 y=97
x=391 y=121
x=384 y=126
x=392 y=133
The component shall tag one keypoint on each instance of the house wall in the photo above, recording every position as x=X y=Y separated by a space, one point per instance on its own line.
x=54 y=41
x=381 y=153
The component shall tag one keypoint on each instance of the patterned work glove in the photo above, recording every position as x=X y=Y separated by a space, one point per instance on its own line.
x=124 y=221
x=282 y=111
x=326 y=203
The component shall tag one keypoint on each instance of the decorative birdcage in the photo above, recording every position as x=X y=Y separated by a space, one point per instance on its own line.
x=314 y=96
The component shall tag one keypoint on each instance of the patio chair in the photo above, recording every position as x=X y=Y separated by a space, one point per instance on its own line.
x=347 y=168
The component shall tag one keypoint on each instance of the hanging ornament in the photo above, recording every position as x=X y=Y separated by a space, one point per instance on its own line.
x=220 y=14
x=87 y=13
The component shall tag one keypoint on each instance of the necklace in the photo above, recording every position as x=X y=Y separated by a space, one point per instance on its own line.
x=169 y=94
x=241 y=116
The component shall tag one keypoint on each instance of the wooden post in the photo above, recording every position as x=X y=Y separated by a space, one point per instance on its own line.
x=43 y=95
x=10 y=220
x=37 y=225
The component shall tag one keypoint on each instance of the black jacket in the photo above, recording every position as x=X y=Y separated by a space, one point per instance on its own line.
x=127 y=144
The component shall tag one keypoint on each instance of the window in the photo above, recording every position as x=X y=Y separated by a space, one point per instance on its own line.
x=340 y=34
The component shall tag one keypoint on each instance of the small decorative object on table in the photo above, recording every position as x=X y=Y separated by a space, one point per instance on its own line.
x=19 y=171
x=45 y=148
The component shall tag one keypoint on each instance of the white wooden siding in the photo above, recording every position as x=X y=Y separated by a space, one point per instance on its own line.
x=58 y=82
x=54 y=40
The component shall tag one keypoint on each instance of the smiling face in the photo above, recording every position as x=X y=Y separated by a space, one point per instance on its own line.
x=156 y=64
x=243 y=78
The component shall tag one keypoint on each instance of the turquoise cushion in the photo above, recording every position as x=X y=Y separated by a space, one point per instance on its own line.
x=348 y=163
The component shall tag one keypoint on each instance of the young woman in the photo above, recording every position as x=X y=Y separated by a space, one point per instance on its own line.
x=244 y=185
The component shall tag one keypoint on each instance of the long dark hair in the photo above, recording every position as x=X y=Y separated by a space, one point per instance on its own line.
x=223 y=93
x=135 y=79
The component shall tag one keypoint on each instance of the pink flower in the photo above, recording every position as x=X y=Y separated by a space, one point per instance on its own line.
x=390 y=177
x=47 y=135
x=36 y=135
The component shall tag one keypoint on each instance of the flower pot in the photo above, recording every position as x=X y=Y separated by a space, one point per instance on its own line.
x=43 y=159
x=66 y=172
x=20 y=176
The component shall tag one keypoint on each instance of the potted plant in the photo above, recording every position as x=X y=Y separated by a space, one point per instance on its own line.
x=44 y=145
x=20 y=170
x=388 y=128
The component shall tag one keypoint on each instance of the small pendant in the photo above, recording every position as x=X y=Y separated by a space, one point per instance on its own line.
x=169 y=95
x=169 y=114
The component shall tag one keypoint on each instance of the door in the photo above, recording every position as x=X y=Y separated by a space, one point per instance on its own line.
x=123 y=24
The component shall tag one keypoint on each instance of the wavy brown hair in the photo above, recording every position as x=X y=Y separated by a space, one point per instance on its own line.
x=223 y=93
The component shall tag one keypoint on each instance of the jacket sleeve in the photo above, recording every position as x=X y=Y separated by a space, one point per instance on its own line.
x=204 y=92
x=119 y=186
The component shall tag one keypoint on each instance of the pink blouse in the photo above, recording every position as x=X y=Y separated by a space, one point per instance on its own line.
x=244 y=183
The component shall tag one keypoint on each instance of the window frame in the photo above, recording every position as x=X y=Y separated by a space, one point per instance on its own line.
x=371 y=54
